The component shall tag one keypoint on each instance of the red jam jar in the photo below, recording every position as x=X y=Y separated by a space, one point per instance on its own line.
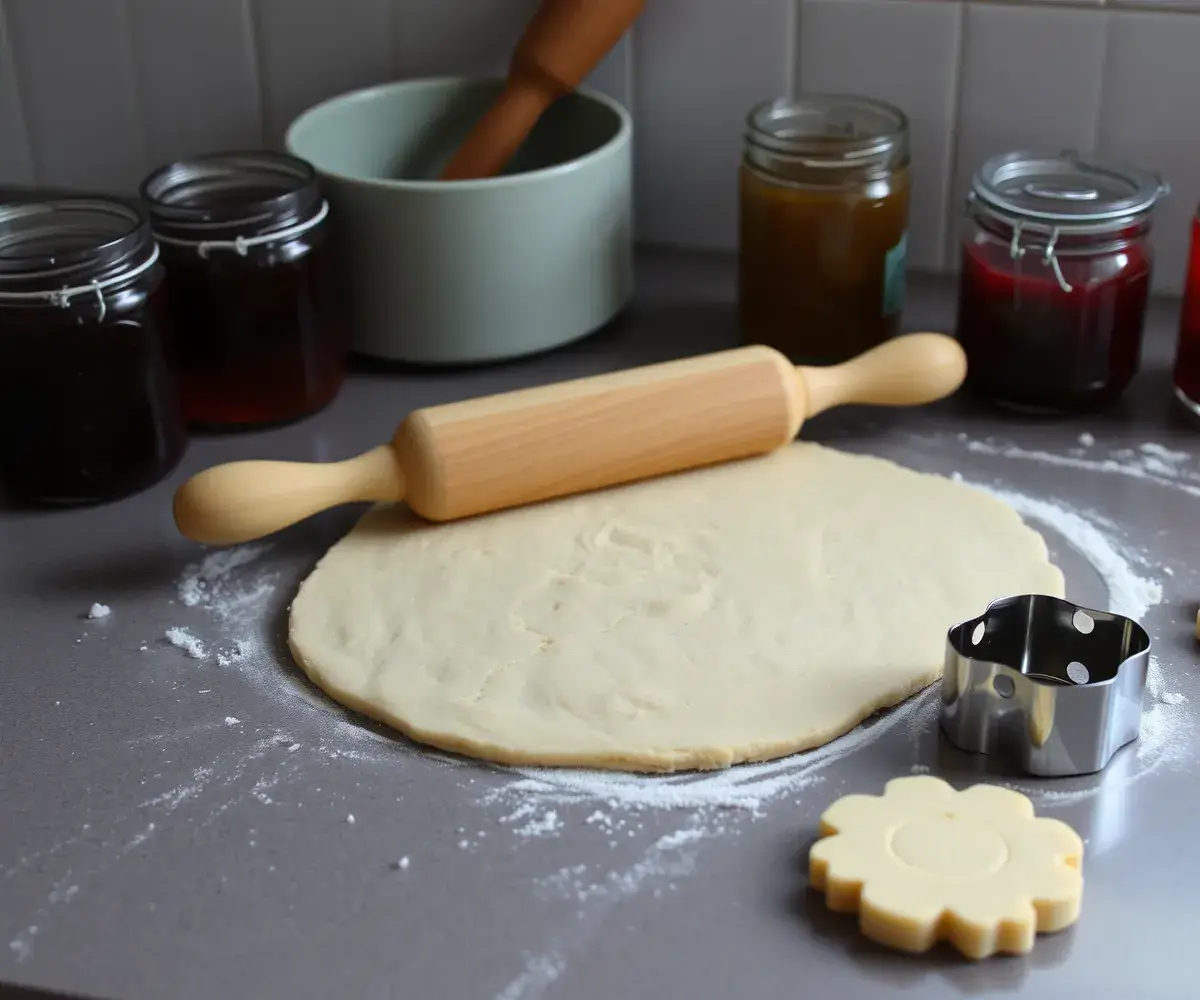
x=88 y=404
x=1187 y=357
x=259 y=339
x=1056 y=265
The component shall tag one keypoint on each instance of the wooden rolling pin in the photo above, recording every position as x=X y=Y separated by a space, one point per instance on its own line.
x=562 y=44
x=485 y=454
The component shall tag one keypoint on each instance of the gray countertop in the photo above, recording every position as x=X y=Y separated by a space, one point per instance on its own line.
x=181 y=827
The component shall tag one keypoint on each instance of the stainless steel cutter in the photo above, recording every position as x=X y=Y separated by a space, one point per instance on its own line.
x=1054 y=688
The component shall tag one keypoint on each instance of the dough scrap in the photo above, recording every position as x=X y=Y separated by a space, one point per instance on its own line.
x=737 y=613
x=924 y=863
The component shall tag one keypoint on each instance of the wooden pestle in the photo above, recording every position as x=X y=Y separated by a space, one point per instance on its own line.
x=480 y=455
x=562 y=44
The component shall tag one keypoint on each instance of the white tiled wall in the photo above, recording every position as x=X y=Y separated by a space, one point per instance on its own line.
x=95 y=92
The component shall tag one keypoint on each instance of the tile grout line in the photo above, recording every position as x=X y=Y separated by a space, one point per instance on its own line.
x=395 y=49
x=6 y=43
x=629 y=77
x=252 y=15
x=137 y=71
x=792 y=48
x=1137 y=6
x=950 y=223
x=633 y=102
x=1105 y=59
x=1157 y=6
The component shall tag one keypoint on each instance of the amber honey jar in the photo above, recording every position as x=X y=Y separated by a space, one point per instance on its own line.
x=88 y=404
x=259 y=338
x=824 y=222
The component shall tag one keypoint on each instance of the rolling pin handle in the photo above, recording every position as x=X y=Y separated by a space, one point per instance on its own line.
x=243 y=501
x=905 y=371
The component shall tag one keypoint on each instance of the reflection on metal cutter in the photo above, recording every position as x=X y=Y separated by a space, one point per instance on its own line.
x=1051 y=687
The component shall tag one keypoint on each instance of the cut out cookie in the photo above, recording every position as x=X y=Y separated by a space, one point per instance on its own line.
x=924 y=863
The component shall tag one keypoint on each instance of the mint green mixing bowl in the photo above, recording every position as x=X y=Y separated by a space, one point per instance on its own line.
x=435 y=272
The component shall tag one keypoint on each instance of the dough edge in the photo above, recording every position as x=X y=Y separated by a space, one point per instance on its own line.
x=665 y=761
x=657 y=761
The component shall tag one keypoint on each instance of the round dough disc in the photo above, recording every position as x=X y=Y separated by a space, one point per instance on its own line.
x=737 y=613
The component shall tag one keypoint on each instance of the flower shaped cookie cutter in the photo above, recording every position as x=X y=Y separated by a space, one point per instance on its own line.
x=924 y=863
x=1054 y=688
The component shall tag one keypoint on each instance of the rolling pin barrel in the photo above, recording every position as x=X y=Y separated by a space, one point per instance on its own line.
x=502 y=451
x=520 y=447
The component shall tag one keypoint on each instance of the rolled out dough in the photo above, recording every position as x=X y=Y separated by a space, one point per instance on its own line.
x=736 y=613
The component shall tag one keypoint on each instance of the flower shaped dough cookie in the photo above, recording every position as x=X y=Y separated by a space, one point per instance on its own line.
x=924 y=863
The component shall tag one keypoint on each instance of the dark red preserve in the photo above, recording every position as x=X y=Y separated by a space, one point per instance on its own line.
x=1187 y=358
x=1056 y=268
x=88 y=406
x=258 y=335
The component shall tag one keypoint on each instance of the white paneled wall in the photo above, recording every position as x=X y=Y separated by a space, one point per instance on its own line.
x=698 y=67
x=907 y=53
x=93 y=93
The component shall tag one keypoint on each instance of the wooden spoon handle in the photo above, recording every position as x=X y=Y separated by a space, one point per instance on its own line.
x=241 y=501
x=906 y=371
x=498 y=135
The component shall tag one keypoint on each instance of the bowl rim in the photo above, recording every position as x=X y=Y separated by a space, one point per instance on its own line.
x=620 y=138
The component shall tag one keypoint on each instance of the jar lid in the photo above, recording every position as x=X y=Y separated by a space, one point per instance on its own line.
x=1065 y=190
x=828 y=129
x=226 y=196
x=54 y=243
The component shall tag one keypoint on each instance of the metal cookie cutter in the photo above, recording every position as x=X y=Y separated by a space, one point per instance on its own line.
x=1054 y=688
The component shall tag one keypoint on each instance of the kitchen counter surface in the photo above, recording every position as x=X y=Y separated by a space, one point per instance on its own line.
x=213 y=827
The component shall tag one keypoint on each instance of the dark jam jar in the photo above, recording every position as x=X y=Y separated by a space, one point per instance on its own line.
x=1187 y=358
x=1056 y=266
x=823 y=226
x=244 y=244
x=88 y=406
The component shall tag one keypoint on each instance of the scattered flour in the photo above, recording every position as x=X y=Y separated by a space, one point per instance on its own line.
x=207 y=582
x=1156 y=686
x=1150 y=462
x=241 y=648
x=671 y=857
x=745 y=787
x=1129 y=592
x=1164 y=454
x=99 y=610
x=184 y=639
x=540 y=826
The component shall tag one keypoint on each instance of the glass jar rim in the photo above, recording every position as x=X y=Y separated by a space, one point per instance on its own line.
x=1032 y=229
x=827 y=130
x=49 y=245
x=1064 y=192
x=230 y=196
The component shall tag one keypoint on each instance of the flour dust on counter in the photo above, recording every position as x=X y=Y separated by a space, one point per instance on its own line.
x=1134 y=579
x=1149 y=461
x=181 y=638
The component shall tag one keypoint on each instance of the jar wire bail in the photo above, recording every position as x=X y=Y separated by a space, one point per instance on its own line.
x=61 y=297
x=1016 y=251
x=241 y=244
